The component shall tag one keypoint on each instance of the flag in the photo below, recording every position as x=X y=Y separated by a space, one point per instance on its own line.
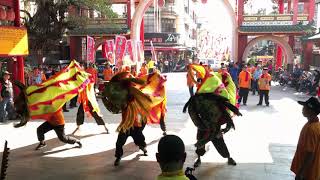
x=109 y=50
x=128 y=51
x=140 y=51
x=90 y=49
x=120 y=49
x=47 y=98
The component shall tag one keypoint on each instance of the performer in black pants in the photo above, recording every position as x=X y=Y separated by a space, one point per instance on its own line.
x=95 y=115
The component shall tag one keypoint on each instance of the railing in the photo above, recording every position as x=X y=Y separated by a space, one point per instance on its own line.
x=273 y=20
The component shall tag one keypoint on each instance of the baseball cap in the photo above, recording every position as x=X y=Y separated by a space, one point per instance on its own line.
x=312 y=103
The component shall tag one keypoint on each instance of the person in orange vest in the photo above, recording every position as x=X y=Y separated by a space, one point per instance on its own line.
x=264 y=86
x=143 y=70
x=107 y=73
x=93 y=72
x=134 y=71
x=190 y=80
x=244 y=84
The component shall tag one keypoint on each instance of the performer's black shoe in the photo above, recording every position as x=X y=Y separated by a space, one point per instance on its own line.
x=231 y=162
x=79 y=144
x=40 y=146
x=259 y=104
x=197 y=163
x=267 y=105
x=143 y=149
x=65 y=110
x=245 y=104
x=117 y=162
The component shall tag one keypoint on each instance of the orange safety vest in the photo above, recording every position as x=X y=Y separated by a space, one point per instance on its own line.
x=93 y=72
x=107 y=74
x=264 y=82
x=245 y=79
x=143 y=71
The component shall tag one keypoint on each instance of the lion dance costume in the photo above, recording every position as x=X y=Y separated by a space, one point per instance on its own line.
x=45 y=101
x=212 y=106
x=141 y=101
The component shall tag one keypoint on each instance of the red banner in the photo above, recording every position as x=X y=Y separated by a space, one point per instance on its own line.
x=90 y=49
x=120 y=49
x=128 y=51
x=109 y=50
x=140 y=51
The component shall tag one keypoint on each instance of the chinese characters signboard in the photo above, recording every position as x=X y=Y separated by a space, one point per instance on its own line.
x=13 y=41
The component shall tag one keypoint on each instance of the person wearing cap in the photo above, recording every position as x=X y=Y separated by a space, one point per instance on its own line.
x=244 y=84
x=171 y=157
x=6 y=98
x=264 y=87
x=306 y=161
x=256 y=75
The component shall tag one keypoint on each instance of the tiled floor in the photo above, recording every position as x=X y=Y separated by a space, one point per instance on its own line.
x=263 y=144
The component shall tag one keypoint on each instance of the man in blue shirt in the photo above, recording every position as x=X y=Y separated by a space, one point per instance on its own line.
x=256 y=75
x=234 y=72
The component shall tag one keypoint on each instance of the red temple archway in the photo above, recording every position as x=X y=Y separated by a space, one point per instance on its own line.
x=289 y=56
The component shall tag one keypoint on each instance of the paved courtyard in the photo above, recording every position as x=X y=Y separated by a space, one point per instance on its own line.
x=263 y=144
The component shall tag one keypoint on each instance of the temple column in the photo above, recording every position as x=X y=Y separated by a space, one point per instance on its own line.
x=295 y=11
x=279 y=50
x=242 y=43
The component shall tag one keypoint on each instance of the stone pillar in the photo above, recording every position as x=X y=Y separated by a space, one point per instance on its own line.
x=240 y=13
x=307 y=52
x=242 y=43
x=311 y=10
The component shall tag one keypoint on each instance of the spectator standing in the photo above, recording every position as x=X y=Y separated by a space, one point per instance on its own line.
x=244 y=84
x=256 y=75
x=306 y=161
x=264 y=86
x=6 y=99
x=234 y=72
x=107 y=73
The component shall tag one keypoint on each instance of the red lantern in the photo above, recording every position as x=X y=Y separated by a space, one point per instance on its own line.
x=3 y=14
x=204 y=1
x=10 y=15
x=161 y=3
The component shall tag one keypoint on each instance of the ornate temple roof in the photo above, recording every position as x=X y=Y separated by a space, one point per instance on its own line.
x=98 y=31
x=300 y=29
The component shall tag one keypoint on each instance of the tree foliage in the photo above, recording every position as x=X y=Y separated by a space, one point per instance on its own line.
x=51 y=20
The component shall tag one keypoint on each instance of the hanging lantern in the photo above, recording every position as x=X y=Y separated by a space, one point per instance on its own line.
x=3 y=14
x=204 y=1
x=161 y=3
x=10 y=15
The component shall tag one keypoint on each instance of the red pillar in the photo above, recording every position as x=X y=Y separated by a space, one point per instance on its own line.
x=279 y=57
x=279 y=50
x=240 y=12
x=129 y=13
x=281 y=6
x=18 y=70
x=307 y=51
x=289 y=6
x=104 y=53
x=142 y=32
x=75 y=48
x=311 y=10
x=242 y=43
x=295 y=11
